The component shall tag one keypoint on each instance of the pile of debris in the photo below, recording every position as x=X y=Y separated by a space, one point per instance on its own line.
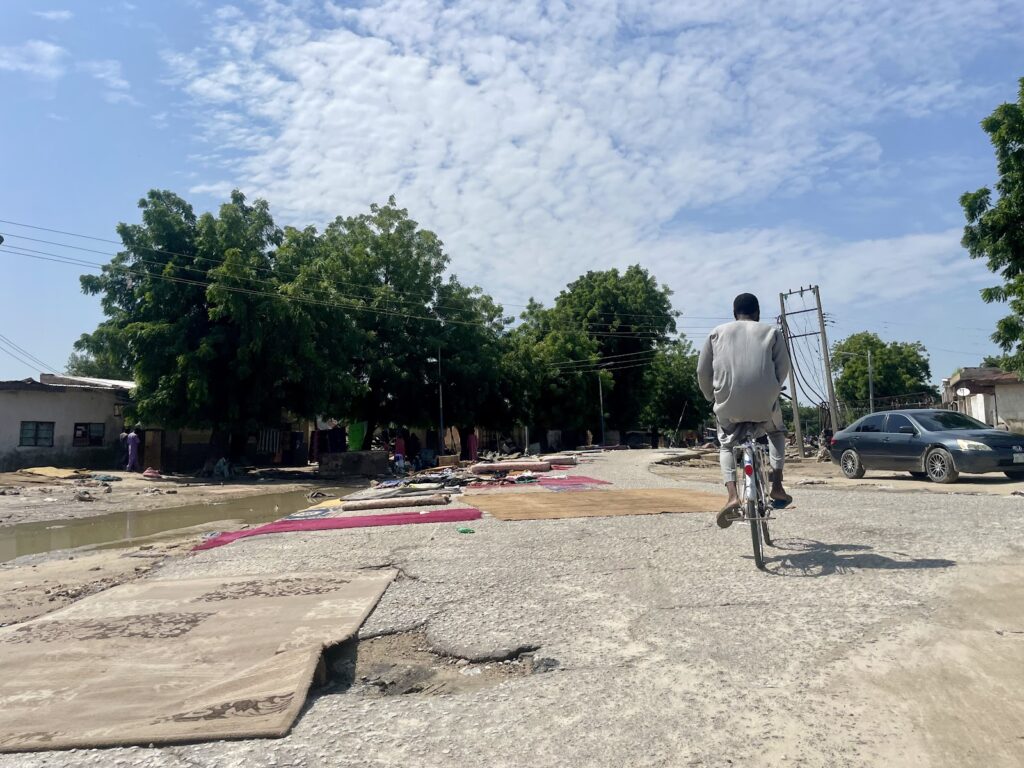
x=435 y=487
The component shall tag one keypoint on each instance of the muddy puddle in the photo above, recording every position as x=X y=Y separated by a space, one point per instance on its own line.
x=131 y=527
x=403 y=664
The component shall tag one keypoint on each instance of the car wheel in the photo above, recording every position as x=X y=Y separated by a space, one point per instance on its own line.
x=850 y=464
x=1015 y=475
x=939 y=466
x=919 y=475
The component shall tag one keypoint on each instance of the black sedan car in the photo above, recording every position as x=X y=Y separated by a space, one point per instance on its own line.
x=929 y=444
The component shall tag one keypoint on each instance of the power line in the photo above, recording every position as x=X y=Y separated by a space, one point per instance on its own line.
x=195 y=257
x=299 y=297
x=646 y=358
x=17 y=357
x=28 y=354
x=608 y=357
x=654 y=331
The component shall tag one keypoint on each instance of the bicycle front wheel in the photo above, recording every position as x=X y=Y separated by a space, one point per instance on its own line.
x=755 y=533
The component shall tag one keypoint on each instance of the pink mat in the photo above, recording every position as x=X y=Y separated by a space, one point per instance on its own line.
x=569 y=482
x=331 y=523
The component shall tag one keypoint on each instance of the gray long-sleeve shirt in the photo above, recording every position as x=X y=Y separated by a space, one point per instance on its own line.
x=742 y=368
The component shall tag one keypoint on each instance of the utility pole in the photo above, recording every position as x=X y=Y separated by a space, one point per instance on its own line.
x=832 y=406
x=798 y=432
x=600 y=398
x=871 y=383
x=440 y=407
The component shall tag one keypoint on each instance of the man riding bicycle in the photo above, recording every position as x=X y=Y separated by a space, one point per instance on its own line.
x=741 y=370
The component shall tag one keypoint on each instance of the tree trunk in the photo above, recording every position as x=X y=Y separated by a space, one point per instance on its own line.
x=371 y=427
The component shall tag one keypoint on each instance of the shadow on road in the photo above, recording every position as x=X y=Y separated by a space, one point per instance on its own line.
x=809 y=558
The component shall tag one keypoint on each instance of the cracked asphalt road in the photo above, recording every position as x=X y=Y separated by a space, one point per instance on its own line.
x=887 y=630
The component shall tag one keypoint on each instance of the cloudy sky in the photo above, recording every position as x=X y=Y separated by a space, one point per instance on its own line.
x=725 y=145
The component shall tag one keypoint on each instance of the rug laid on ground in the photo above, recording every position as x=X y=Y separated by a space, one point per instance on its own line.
x=170 y=661
x=552 y=506
x=289 y=525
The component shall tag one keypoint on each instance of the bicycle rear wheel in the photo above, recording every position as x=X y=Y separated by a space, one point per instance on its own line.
x=765 y=537
x=755 y=532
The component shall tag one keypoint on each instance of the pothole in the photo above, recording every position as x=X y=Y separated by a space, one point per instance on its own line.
x=402 y=664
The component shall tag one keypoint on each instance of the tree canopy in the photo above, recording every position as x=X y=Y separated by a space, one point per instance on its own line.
x=900 y=368
x=225 y=321
x=606 y=324
x=995 y=227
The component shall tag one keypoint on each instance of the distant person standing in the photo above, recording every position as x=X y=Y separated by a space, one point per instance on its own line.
x=400 y=451
x=133 y=451
x=123 y=439
x=473 y=445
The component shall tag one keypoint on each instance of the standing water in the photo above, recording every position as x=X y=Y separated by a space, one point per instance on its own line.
x=124 y=528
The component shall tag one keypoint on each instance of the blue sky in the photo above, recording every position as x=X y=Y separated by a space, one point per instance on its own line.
x=725 y=145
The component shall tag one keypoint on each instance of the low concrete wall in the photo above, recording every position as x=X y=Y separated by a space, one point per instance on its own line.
x=354 y=463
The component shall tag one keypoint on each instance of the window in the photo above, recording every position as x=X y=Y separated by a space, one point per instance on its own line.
x=940 y=421
x=36 y=434
x=896 y=421
x=872 y=423
x=87 y=435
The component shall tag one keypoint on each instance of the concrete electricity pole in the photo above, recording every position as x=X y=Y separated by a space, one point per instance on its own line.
x=833 y=407
x=798 y=433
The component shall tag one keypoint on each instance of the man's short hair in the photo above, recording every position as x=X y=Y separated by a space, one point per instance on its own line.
x=746 y=304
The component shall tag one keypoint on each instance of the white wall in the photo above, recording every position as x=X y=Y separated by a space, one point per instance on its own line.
x=978 y=407
x=65 y=409
x=1010 y=402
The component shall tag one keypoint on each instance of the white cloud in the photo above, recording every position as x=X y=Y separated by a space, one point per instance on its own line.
x=55 y=15
x=109 y=72
x=35 y=57
x=540 y=139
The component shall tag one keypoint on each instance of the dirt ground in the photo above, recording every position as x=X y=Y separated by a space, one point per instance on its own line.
x=30 y=498
x=811 y=474
x=888 y=630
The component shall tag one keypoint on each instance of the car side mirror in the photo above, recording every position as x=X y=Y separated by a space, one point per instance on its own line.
x=907 y=430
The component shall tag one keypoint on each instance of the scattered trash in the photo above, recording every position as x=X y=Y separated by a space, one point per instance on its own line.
x=317 y=495
x=107 y=489
x=465 y=530
x=1017 y=493
x=83 y=495
x=151 y=474
x=810 y=481
x=307 y=514
x=105 y=478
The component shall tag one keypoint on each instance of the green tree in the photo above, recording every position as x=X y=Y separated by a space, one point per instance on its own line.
x=900 y=368
x=98 y=365
x=673 y=399
x=995 y=228
x=390 y=276
x=472 y=344
x=627 y=316
x=206 y=321
x=551 y=371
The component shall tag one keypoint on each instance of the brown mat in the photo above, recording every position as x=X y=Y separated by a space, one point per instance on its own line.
x=175 y=661
x=553 y=506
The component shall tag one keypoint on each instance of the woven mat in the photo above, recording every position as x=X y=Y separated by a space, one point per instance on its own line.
x=159 y=662
x=553 y=506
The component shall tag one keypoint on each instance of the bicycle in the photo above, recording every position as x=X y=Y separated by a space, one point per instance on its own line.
x=757 y=504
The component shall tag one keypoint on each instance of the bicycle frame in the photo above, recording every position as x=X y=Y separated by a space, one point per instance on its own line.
x=757 y=504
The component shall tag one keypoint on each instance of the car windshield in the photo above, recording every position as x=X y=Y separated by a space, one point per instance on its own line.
x=940 y=422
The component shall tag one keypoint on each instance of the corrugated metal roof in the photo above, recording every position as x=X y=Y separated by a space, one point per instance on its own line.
x=85 y=381
x=984 y=376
